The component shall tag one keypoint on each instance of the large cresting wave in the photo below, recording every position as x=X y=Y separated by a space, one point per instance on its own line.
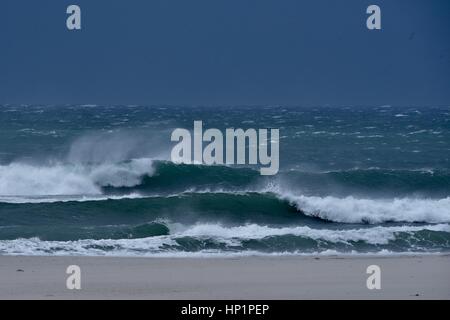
x=148 y=207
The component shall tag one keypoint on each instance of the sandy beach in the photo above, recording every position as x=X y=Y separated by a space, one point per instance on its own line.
x=407 y=277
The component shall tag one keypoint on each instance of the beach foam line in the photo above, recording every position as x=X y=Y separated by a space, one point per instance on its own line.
x=231 y=238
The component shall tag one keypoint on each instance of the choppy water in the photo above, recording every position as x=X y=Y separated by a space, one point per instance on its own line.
x=96 y=180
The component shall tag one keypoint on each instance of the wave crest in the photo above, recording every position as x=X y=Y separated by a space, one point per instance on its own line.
x=248 y=239
x=355 y=210
x=19 y=179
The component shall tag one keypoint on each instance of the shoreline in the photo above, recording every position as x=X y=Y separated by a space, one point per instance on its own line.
x=419 y=276
x=243 y=255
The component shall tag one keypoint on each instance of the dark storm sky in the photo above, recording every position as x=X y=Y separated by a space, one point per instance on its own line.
x=225 y=52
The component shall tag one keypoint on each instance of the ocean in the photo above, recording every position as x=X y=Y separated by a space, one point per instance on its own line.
x=98 y=181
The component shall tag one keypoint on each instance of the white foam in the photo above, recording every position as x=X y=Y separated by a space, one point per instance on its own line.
x=231 y=236
x=374 y=235
x=19 y=179
x=357 y=210
x=68 y=198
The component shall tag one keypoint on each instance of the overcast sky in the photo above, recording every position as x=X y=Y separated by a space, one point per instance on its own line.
x=225 y=52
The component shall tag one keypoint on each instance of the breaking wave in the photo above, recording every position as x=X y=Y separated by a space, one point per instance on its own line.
x=251 y=239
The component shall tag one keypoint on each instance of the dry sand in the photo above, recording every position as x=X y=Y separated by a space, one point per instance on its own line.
x=407 y=277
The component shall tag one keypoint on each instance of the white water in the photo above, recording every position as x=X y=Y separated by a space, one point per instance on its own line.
x=374 y=235
x=25 y=183
x=18 y=179
x=358 y=210
x=230 y=236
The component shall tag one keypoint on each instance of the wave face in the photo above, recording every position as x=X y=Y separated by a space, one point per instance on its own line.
x=352 y=181
x=148 y=175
